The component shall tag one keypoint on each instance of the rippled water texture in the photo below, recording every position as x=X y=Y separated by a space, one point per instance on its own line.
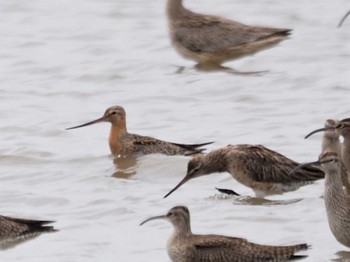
x=64 y=62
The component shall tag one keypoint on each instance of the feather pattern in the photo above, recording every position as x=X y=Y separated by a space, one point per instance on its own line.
x=212 y=39
x=263 y=170
x=16 y=230
x=184 y=246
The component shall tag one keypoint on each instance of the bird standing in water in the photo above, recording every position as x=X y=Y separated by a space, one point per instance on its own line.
x=211 y=40
x=184 y=246
x=263 y=170
x=124 y=144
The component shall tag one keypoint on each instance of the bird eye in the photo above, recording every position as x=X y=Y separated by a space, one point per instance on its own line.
x=113 y=113
x=170 y=214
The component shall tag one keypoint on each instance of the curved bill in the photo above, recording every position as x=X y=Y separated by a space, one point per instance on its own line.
x=99 y=120
x=183 y=181
x=305 y=165
x=152 y=218
x=319 y=130
x=343 y=19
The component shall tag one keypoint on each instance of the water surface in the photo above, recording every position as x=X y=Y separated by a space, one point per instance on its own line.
x=64 y=62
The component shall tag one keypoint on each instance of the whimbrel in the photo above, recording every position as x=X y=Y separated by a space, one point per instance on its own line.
x=14 y=231
x=213 y=40
x=123 y=144
x=342 y=128
x=184 y=246
x=263 y=170
x=343 y=19
x=331 y=143
x=337 y=200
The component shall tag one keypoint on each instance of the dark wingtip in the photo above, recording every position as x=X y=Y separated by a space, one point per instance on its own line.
x=40 y=226
x=207 y=143
x=297 y=257
x=193 y=149
x=288 y=32
x=283 y=32
x=227 y=191
x=45 y=222
x=49 y=229
x=301 y=247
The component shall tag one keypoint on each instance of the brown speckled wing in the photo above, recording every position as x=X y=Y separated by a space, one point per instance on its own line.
x=265 y=165
x=220 y=248
x=12 y=228
x=150 y=145
x=231 y=34
x=275 y=253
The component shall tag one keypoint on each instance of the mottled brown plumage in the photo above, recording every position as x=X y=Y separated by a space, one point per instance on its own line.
x=263 y=170
x=210 y=39
x=337 y=200
x=343 y=129
x=331 y=143
x=124 y=144
x=330 y=139
x=184 y=246
x=14 y=231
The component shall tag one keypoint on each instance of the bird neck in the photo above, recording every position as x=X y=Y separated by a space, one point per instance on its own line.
x=346 y=145
x=345 y=153
x=331 y=143
x=175 y=9
x=335 y=196
x=182 y=229
x=333 y=181
x=215 y=161
x=117 y=130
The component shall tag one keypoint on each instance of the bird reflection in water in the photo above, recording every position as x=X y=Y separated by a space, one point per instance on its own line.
x=342 y=256
x=125 y=166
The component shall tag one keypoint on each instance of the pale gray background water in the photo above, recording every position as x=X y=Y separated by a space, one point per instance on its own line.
x=64 y=62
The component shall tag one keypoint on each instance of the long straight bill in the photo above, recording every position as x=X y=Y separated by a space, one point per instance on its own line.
x=99 y=120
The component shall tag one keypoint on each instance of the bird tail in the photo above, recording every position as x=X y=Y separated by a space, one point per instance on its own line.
x=193 y=148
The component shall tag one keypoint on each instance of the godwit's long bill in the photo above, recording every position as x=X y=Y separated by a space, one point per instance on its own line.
x=123 y=144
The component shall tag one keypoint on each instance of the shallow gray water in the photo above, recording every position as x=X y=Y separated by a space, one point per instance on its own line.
x=63 y=63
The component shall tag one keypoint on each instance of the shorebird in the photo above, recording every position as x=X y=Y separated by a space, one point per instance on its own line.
x=342 y=128
x=123 y=144
x=263 y=170
x=14 y=231
x=212 y=40
x=337 y=200
x=184 y=246
x=331 y=143
x=343 y=19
